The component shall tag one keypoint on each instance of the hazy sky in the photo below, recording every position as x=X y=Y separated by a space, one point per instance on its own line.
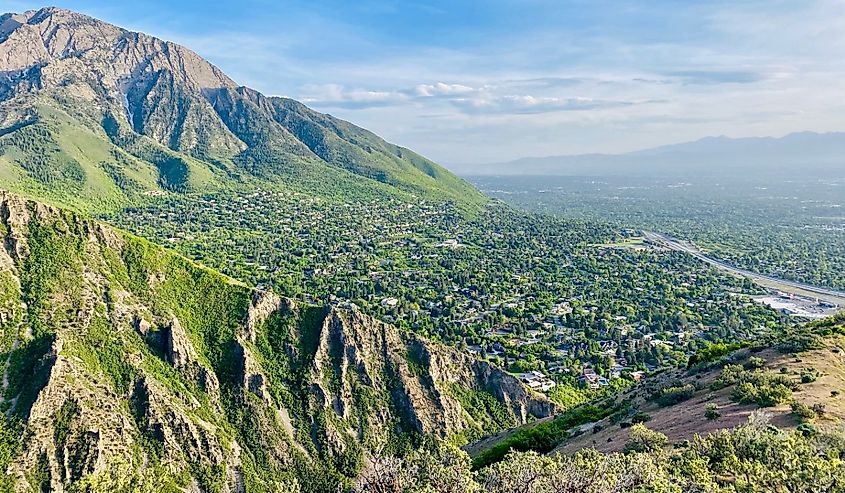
x=492 y=80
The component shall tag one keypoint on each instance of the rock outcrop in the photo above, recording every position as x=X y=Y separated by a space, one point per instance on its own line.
x=359 y=351
x=129 y=365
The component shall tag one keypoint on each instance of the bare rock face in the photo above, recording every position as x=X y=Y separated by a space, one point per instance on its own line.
x=253 y=378
x=154 y=87
x=159 y=105
x=141 y=326
x=358 y=352
x=166 y=418
x=80 y=421
x=178 y=348
x=15 y=215
x=64 y=44
x=180 y=352
x=77 y=428
x=264 y=304
x=452 y=367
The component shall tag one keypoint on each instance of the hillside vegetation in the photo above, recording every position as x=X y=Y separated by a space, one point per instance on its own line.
x=795 y=444
x=127 y=368
x=95 y=116
x=755 y=457
x=792 y=380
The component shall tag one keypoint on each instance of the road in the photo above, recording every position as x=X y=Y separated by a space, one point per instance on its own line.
x=794 y=287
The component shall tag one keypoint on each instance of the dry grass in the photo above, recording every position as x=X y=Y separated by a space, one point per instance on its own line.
x=683 y=420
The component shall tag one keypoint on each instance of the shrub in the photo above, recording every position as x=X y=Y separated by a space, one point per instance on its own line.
x=754 y=363
x=798 y=343
x=764 y=394
x=640 y=417
x=672 y=395
x=730 y=375
x=807 y=430
x=545 y=436
x=809 y=375
x=641 y=439
x=803 y=412
x=764 y=389
x=712 y=412
x=713 y=352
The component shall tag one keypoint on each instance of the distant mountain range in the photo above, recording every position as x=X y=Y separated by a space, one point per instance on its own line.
x=93 y=112
x=803 y=153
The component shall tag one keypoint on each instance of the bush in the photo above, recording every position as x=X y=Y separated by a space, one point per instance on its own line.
x=764 y=394
x=543 y=437
x=640 y=417
x=807 y=430
x=712 y=412
x=713 y=352
x=764 y=389
x=641 y=439
x=731 y=374
x=803 y=412
x=672 y=395
x=754 y=363
x=809 y=375
x=798 y=343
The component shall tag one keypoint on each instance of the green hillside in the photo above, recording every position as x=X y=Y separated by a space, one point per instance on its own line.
x=127 y=368
x=82 y=126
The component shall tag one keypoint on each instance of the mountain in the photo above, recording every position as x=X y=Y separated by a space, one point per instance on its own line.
x=129 y=368
x=806 y=152
x=92 y=113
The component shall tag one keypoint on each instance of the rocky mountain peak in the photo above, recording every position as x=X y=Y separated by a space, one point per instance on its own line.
x=66 y=45
x=166 y=106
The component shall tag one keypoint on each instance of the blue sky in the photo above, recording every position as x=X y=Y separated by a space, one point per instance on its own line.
x=472 y=81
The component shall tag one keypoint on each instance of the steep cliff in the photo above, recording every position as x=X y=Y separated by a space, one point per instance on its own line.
x=127 y=367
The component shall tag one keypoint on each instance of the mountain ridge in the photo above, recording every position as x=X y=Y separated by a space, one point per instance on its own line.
x=128 y=366
x=706 y=156
x=151 y=116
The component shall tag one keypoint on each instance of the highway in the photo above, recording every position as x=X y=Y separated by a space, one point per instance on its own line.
x=827 y=294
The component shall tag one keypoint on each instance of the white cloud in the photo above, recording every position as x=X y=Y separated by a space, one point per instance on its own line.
x=644 y=74
x=442 y=89
x=467 y=99
x=527 y=104
x=335 y=95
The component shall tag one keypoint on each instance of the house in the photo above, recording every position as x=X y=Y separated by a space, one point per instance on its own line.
x=536 y=380
x=449 y=244
x=616 y=371
x=389 y=302
x=591 y=379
